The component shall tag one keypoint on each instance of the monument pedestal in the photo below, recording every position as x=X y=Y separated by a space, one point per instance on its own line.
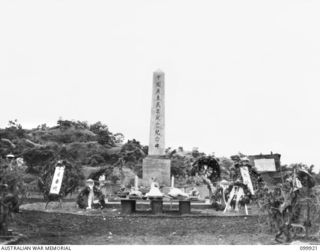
x=128 y=206
x=157 y=206
x=158 y=168
x=184 y=206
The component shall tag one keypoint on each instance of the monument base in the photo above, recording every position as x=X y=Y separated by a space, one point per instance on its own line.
x=158 y=168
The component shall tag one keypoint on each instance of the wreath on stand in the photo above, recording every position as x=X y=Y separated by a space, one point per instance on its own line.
x=207 y=166
x=222 y=194
x=82 y=198
x=221 y=197
x=244 y=200
x=256 y=179
x=72 y=180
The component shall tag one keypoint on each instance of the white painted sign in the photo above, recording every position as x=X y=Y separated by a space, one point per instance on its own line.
x=265 y=164
x=57 y=180
x=246 y=178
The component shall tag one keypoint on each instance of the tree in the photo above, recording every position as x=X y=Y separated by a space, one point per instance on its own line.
x=105 y=170
x=131 y=155
x=180 y=166
x=36 y=158
x=104 y=136
x=196 y=154
x=42 y=127
x=13 y=131
x=81 y=125
x=96 y=159
x=118 y=138
x=132 y=151
x=64 y=124
x=97 y=127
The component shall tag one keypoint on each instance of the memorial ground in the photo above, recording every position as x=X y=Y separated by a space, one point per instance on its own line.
x=70 y=225
x=59 y=228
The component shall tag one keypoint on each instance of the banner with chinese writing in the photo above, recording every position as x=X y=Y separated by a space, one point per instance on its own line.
x=246 y=178
x=57 y=180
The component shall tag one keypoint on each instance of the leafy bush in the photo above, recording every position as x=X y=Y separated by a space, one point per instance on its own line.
x=317 y=178
x=104 y=136
x=180 y=165
x=105 y=170
x=114 y=178
x=12 y=192
x=14 y=131
x=16 y=179
x=132 y=151
x=35 y=158
x=96 y=160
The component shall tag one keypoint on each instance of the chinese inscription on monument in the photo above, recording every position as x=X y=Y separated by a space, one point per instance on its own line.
x=156 y=145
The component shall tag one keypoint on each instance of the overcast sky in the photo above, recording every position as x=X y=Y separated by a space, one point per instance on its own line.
x=240 y=75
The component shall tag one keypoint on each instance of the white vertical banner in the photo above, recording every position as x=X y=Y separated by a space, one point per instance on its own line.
x=246 y=178
x=136 y=181
x=57 y=180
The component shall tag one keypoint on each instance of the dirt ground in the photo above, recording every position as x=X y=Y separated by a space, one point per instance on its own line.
x=78 y=227
x=152 y=231
x=164 y=239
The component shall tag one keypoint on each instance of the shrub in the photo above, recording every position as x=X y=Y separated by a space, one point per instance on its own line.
x=96 y=159
x=36 y=157
x=114 y=178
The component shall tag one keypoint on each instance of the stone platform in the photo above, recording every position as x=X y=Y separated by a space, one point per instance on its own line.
x=114 y=209
x=168 y=204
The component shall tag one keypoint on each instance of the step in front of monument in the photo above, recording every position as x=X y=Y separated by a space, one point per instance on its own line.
x=145 y=205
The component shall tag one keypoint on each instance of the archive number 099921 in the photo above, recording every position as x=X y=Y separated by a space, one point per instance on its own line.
x=308 y=248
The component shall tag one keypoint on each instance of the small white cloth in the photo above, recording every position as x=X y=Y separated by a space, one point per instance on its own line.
x=154 y=191
x=297 y=185
x=90 y=198
x=175 y=192
x=102 y=178
x=135 y=193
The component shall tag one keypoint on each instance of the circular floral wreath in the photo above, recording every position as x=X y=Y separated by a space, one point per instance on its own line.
x=207 y=166
x=244 y=200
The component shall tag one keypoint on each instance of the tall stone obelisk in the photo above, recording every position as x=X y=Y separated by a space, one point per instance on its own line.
x=155 y=165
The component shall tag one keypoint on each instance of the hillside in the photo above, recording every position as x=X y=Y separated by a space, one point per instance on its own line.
x=88 y=145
